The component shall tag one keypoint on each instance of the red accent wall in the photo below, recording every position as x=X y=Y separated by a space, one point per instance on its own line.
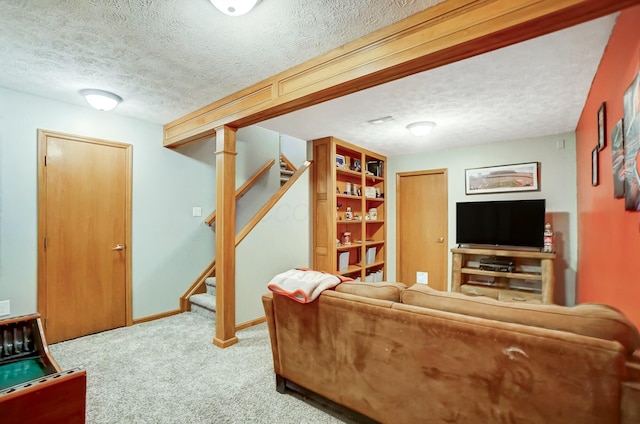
x=608 y=236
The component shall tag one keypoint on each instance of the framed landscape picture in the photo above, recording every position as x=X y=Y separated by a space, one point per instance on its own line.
x=502 y=179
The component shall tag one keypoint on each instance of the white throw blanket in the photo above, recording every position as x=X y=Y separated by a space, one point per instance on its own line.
x=304 y=285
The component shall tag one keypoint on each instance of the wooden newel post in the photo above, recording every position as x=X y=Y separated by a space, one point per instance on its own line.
x=225 y=237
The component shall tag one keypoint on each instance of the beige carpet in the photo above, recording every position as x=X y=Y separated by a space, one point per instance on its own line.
x=168 y=371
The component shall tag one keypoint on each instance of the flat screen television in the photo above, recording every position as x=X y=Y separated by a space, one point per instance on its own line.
x=501 y=223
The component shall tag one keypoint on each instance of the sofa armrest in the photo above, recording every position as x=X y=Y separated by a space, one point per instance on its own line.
x=267 y=302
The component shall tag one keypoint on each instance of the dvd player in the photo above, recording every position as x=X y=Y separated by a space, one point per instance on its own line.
x=498 y=263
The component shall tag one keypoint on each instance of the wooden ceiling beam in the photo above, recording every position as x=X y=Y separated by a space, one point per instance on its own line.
x=448 y=32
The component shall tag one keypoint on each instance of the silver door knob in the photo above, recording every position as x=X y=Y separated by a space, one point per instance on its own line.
x=441 y=240
x=118 y=247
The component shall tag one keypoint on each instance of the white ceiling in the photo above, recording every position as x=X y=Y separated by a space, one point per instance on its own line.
x=531 y=89
x=168 y=58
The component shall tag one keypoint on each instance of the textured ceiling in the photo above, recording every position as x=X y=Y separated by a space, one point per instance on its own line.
x=531 y=89
x=168 y=58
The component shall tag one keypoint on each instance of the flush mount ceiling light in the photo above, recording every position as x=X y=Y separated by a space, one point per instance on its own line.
x=420 y=129
x=100 y=99
x=234 y=7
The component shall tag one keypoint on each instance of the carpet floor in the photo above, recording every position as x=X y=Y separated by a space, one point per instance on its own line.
x=168 y=371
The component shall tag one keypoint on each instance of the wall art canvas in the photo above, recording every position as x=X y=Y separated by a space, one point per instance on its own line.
x=617 y=159
x=503 y=178
x=631 y=102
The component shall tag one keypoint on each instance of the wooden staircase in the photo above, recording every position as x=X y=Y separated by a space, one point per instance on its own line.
x=286 y=170
x=205 y=303
x=201 y=295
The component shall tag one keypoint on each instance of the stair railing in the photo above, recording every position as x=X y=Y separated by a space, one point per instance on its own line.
x=271 y=203
x=244 y=188
x=288 y=165
x=198 y=286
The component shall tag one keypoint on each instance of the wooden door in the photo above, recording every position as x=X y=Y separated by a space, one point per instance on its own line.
x=84 y=221
x=421 y=236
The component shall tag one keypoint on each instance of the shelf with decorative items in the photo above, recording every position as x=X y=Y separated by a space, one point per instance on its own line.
x=509 y=275
x=349 y=210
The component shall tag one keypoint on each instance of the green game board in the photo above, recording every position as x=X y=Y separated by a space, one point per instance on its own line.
x=21 y=371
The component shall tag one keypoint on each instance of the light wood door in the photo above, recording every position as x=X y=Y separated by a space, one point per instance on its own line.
x=84 y=228
x=421 y=236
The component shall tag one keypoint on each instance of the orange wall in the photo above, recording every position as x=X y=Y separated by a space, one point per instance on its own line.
x=608 y=236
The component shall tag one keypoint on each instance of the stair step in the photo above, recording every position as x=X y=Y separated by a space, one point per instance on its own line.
x=199 y=310
x=285 y=172
x=205 y=300
x=203 y=304
x=210 y=282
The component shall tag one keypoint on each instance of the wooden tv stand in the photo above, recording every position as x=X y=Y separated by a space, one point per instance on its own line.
x=531 y=281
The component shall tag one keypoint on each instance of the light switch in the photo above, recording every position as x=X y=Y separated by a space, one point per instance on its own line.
x=197 y=211
x=422 y=277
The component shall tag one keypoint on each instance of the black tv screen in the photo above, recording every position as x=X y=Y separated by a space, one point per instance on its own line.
x=501 y=223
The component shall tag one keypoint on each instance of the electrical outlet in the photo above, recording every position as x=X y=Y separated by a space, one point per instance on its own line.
x=197 y=211
x=422 y=277
x=5 y=307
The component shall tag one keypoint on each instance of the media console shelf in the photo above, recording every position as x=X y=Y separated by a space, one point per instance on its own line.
x=532 y=280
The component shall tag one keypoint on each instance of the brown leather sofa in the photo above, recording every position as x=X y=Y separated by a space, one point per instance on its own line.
x=386 y=353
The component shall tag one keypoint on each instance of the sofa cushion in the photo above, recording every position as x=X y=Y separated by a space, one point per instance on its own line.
x=589 y=319
x=384 y=291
